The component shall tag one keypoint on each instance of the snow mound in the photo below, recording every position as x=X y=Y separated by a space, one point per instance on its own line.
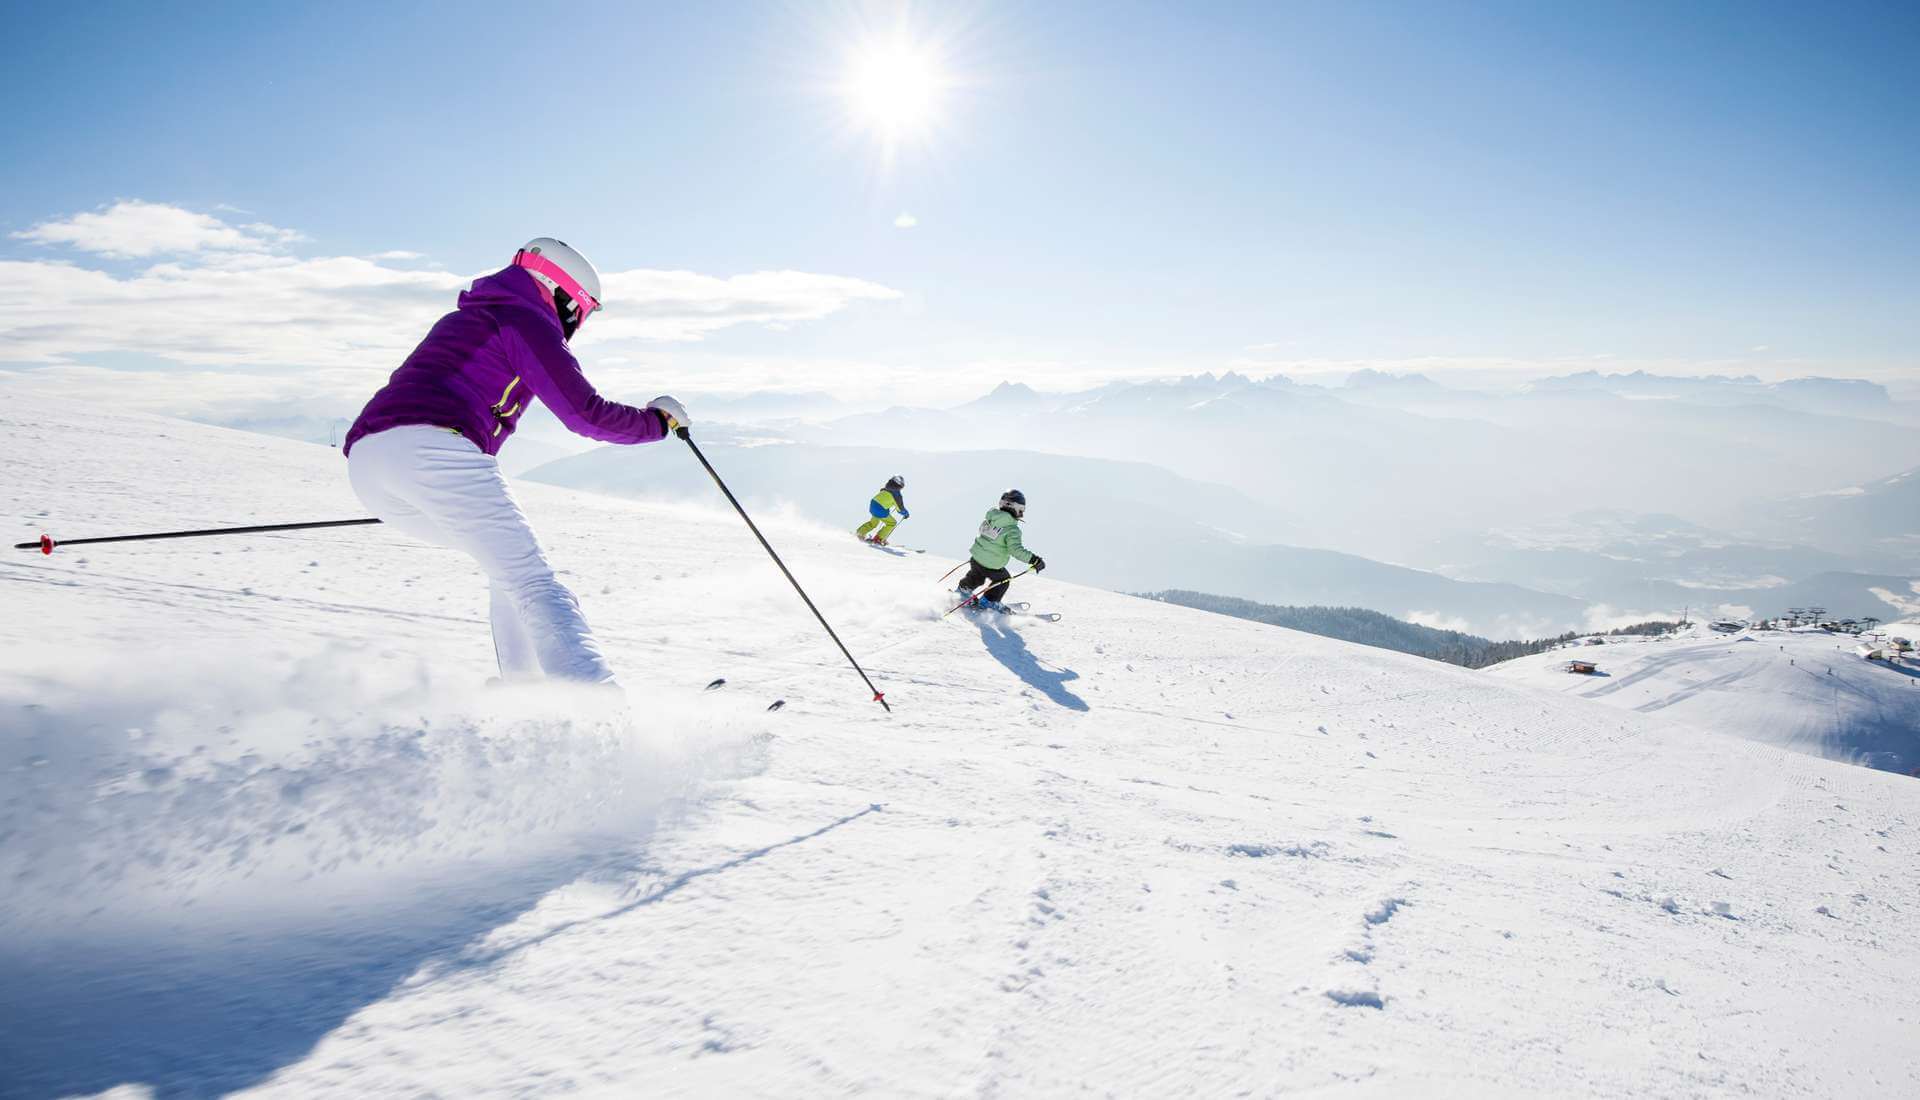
x=1802 y=690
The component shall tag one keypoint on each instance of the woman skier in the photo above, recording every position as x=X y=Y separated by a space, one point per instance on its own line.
x=998 y=543
x=421 y=454
x=882 y=507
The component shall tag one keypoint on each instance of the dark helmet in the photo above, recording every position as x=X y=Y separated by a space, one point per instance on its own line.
x=896 y=482
x=1015 y=501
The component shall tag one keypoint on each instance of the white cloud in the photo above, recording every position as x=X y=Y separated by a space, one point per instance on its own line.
x=246 y=332
x=1903 y=604
x=226 y=310
x=132 y=229
x=1438 y=621
x=905 y=221
x=229 y=299
x=685 y=305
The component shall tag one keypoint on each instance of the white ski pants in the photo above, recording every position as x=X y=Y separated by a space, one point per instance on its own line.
x=435 y=485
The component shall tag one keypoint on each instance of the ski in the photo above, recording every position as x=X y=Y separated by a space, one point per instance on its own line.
x=978 y=592
x=721 y=682
x=1013 y=611
x=892 y=547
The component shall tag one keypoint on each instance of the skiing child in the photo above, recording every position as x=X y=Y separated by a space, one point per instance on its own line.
x=421 y=454
x=881 y=508
x=999 y=543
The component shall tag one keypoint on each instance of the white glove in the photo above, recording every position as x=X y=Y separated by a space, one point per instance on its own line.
x=676 y=413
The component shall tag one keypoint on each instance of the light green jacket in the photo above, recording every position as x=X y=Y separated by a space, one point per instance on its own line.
x=999 y=541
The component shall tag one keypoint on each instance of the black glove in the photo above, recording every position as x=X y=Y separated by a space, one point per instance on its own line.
x=1038 y=563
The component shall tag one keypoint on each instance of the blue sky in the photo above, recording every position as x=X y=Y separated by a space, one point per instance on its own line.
x=1109 y=189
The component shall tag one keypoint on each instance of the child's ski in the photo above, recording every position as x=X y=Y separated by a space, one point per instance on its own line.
x=1012 y=613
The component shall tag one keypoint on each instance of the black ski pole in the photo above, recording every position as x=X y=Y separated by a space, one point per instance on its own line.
x=687 y=437
x=47 y=542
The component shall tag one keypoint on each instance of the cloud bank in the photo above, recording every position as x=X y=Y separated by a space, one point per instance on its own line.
x=222 y=296
x=132 y=229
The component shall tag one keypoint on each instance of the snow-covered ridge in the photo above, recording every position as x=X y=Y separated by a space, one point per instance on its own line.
x=1142 y=851
x=1803 y=690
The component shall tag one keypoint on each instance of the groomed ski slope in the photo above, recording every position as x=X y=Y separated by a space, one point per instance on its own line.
x=1805 y=690
x=264 y=831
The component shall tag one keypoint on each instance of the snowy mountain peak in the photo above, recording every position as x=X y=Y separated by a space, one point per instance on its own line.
x=1009 y=395
x=1370 y=379
x=1830 y=394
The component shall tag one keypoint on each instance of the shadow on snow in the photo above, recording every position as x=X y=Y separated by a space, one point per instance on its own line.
x=1010 y=649
x=206 y=1014
x=207 y=1010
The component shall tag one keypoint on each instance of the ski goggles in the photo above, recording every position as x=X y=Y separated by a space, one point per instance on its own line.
x=584 y=304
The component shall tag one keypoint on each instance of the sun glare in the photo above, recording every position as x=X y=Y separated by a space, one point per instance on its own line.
x=894 y=88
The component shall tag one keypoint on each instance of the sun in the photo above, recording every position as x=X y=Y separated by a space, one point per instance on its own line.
x=893 y=87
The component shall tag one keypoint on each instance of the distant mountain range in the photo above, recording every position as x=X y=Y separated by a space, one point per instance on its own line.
x=1388 y=464
x=1663 y=564
x=1577 y=499
x=1512 y=514
x=1120 y=525
x=1838 y=396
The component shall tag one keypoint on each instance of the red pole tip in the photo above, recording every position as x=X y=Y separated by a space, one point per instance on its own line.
x=879 y=698
x=46 y=544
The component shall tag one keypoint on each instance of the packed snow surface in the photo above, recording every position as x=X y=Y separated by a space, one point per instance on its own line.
x=1803 y=689
x=263 y=829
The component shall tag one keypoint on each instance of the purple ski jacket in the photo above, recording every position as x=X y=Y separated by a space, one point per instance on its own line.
x=482 y=363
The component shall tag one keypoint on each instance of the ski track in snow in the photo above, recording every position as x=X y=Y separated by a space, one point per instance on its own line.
x=1144 y=851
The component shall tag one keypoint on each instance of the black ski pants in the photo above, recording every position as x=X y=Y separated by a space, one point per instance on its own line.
x=978 y=575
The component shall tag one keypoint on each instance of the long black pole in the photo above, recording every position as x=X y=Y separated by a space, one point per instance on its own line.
x=46 y=543
x=878 y=696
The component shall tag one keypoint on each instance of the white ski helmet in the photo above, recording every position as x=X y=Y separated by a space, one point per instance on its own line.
x=573 y=281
